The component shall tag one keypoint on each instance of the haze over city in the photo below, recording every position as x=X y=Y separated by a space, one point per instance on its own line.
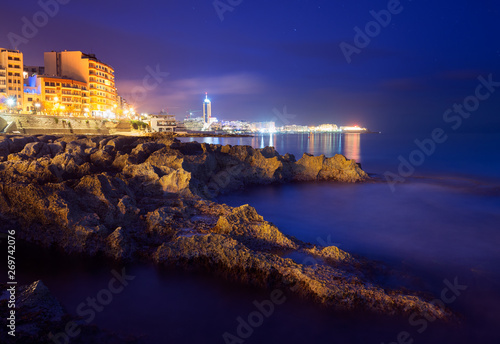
x=256 y=56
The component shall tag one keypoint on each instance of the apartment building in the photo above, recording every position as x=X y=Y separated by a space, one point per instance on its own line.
x=11 y=78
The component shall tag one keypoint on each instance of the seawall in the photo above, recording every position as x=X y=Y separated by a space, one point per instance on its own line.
x=39 y=124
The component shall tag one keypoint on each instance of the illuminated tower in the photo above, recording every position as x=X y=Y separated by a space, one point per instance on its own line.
x=207 y=110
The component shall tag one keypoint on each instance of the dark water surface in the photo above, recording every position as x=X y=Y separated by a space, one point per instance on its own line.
x=442 y=223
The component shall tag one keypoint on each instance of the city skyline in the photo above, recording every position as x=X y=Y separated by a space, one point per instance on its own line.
x=316 y=58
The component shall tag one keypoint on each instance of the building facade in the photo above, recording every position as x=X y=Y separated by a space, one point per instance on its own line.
x=53 y=95
x=97 y=75
x=11 y=73
x=3 y=87
x=163 y=123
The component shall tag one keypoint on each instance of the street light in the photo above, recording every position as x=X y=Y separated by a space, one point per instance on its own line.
x=10 y=103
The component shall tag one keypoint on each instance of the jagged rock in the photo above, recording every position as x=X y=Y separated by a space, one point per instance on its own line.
x=320 y=168
x=18 y=142
x=36 y=150
x=249 y=227
x=56 y=148
x=332 y=254
x=4 y=148
x=120 y=245
x=143 y=150
x=176 y=181
x=36 y=297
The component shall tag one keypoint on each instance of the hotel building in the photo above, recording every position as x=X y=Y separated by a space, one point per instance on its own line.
x=98 y=77
x=56 y=95
x=207 y=110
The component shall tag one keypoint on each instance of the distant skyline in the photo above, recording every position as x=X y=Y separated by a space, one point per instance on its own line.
x=267 y=55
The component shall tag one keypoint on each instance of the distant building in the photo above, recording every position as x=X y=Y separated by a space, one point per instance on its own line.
x=97 y=75
x=236 y=126
x=353 y=129
x=207 y=110
x=264 y=127
x=162 y=123
x=194 y=124
x=11 y=78
x=293 y=129
x=327 y=128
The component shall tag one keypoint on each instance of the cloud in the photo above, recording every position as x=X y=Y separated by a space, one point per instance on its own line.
x=187 y=92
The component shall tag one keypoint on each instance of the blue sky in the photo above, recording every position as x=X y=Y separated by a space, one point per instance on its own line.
x=270 y=54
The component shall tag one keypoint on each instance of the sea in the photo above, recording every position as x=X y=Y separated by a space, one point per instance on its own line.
x=431 y=213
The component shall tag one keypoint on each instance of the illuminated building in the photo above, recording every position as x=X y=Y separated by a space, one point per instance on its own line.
x=264 y=127
x=3 y=85
x=354 y=129
x=98 y=76
x=53 y=95
x=11 y=77
x=207 y=110
x=163 y=123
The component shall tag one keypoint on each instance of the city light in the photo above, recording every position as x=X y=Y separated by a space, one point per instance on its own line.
x=11 y=102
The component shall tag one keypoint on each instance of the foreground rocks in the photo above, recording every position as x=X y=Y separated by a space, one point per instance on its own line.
x=40 y=318
x=149 y=199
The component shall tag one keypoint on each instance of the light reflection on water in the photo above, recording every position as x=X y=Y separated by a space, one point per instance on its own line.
x=313 y=143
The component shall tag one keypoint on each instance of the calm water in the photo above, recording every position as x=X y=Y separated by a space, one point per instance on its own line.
x=441 y=223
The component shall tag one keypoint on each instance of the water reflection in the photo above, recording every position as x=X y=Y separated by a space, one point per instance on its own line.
x=352 y=146
x=315 y=144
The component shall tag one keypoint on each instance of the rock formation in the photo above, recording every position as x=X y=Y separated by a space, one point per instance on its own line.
x=142 y=198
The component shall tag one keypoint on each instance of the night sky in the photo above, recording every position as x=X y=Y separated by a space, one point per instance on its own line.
x=266 y=55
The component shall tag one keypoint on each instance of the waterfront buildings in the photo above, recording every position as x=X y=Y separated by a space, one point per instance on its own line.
x=264 y=127
x=56 y=95
x=162 y=123
x=353 y=129
x=194 y=124
x=11 y=78
x=97 y=75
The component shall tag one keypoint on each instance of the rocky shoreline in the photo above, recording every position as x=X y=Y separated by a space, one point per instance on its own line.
x=150 y=199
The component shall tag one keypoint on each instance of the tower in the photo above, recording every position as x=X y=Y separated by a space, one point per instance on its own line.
x=207 y=110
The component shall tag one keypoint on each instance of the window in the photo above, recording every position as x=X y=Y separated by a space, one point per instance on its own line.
x=30 y=99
